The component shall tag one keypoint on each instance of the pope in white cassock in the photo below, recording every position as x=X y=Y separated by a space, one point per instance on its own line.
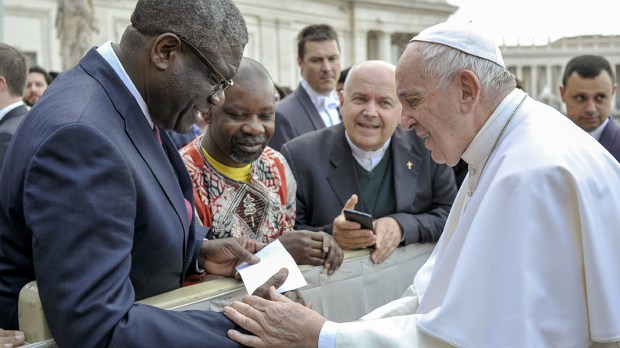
x=530 y=255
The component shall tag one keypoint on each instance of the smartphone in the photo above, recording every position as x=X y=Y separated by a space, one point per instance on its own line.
x=363 y=219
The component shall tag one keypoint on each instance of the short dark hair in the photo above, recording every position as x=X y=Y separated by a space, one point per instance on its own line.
x=207 y=24
x=343 y=75
x=250 y=67
x=40 y=70
x=315 y=32
x=13 y=67
x=587 y=66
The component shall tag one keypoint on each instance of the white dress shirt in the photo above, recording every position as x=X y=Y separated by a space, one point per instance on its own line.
x=327 y=106
x=5 y=110
x=108 y=54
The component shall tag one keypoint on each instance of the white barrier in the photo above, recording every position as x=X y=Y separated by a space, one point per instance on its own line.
x=354 y=290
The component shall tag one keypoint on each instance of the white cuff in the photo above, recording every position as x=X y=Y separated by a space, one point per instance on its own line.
x=198 y=269
x=327 y=336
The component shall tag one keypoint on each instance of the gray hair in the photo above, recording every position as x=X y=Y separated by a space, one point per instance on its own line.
x=207 y=24
x=444 y=62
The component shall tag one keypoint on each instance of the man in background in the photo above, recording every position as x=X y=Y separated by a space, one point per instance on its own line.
x=588 y=88
x=13 y=69
x=314 y=104
x=244 y=188
x=372 y=165
x=37 y=81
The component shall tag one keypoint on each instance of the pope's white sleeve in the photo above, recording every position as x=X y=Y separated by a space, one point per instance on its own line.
x=407 y=304
x=394 y=332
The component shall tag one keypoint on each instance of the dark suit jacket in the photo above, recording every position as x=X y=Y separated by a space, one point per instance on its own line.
x=93 y=209
x=610 y=138
x=324 y=168
x=295 y=115
x=8 y=126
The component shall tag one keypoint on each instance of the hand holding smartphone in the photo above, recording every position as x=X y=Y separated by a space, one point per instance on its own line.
x=363 y=219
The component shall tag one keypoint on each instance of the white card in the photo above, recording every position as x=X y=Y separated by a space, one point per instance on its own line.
x=273 y=257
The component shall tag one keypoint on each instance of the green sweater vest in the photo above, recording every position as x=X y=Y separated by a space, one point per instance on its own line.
x=377 y=187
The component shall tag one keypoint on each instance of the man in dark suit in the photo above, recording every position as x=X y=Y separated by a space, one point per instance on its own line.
x=13 y=72
x=314 y=104
x=97 y=206
x=588 y=87
x=610 y=138
x=370 y=162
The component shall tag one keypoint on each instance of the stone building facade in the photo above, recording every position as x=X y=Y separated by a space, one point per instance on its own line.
x=368 y=29
x=540 y=68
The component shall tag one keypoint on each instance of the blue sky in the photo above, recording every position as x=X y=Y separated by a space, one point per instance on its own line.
x=534 y=21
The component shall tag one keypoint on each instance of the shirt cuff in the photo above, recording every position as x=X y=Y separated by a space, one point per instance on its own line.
x=198 y=269
x=327 y=336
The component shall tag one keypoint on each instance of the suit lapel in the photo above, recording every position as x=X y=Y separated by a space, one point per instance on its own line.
x=16 y=112
x=610 y=132
x=342 y=166
x=139 y=132
x=306 y=103
x=405 y=179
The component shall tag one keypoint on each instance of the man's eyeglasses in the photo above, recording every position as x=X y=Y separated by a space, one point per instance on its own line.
x=224 y=83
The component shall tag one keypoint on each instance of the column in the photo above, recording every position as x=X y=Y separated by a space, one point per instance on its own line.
x=519 y=75
x=360 y=46
x=533 y=88
x=549 y=80
x=268 y=50
x=287 y=71
x=384 y=46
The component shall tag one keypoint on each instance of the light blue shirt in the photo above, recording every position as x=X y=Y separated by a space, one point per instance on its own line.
x=108 y=54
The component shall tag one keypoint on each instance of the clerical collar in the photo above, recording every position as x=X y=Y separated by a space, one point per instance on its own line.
x=596 y=133
x=479 y=150
x=107 y=52
x=243 y=174
x=367 y=159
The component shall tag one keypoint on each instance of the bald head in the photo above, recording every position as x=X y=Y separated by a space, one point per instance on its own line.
x=240 y=129
x=368 y=68
x=368 y=104
x=251 y=69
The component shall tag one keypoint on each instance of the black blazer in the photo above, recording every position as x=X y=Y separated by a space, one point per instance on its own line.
x=8 y=126
x=610 y=138
x=324 y=168
x=295 y=115
x=93 y=209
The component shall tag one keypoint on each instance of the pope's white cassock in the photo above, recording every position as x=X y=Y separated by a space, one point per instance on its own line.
x=530 y=255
